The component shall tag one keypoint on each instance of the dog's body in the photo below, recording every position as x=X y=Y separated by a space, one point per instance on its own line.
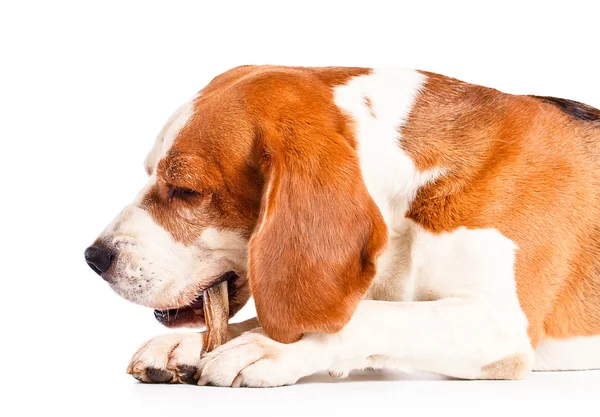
x=465 y=219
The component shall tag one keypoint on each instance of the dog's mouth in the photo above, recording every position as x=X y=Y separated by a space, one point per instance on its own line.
x=192 y=315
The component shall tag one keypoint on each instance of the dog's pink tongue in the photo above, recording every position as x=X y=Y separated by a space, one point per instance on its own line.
x=216 y=316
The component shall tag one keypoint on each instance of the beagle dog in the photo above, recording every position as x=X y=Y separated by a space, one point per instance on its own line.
x=380 y=218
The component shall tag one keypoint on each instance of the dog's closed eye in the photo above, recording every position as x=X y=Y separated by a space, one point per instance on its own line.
x=179 y=192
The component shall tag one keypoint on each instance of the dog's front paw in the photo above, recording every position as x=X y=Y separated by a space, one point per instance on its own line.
x=251 y=360
x=170 y=358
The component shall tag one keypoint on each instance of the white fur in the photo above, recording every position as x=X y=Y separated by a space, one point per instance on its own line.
x=255 y=360
x=567 y=355
x=166 y=137
x=388 y=172
x=153 y=269
x=228 y=243
x=168 y=351
x=173 y=352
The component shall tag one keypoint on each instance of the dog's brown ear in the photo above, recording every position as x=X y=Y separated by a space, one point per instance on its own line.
x=313 y=252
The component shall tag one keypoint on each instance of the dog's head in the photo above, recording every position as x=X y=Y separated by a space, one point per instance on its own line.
x=255 y=181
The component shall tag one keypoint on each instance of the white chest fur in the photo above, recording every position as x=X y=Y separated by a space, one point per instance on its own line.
x=417 y=265
x=380 y=103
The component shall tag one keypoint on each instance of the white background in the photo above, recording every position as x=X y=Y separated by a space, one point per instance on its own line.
x=84 y=89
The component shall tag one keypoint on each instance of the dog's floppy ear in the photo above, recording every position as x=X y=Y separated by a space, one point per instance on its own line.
x=313 y=252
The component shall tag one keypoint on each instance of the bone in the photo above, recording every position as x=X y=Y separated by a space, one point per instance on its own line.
x=216 y=316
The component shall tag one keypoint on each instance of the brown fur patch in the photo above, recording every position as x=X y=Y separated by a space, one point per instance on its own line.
x=268 y=153
x=301 y=278
x=510 y=367
x=528 y=169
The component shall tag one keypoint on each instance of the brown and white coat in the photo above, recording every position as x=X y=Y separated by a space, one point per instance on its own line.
x=383 y=218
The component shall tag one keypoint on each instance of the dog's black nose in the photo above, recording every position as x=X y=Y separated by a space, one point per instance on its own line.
x=98 y=258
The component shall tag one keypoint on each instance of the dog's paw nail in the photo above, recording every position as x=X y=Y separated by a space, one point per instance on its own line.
x=203 y=381
x=158 y=375
x=338 y=374
x=187 y=374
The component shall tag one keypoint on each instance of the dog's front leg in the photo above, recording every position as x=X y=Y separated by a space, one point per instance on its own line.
x=463 y=337
x=460 y=337
x=174 y=357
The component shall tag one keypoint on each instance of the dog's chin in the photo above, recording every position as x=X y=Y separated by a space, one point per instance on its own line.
x=192 y=315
